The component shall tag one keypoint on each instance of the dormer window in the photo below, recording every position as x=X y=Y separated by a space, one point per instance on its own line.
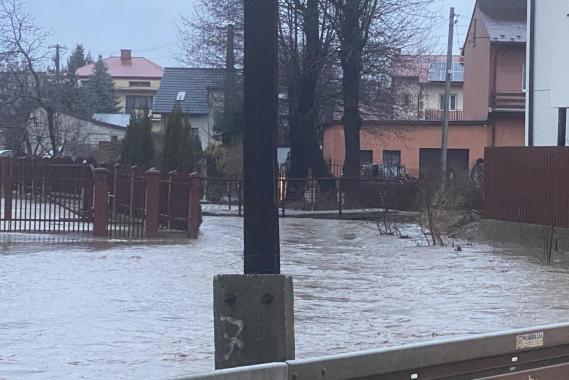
x=181 y=96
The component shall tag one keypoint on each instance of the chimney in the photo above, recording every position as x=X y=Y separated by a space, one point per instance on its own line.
x=126 y=57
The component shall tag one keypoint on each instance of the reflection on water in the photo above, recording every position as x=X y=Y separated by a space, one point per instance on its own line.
x=75 y=308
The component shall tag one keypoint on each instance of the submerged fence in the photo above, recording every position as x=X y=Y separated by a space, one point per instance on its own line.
x=527 y=185
x=45 y=196
x=59 y=195
x=334 y=196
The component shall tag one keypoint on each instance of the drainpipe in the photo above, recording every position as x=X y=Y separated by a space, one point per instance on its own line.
x=562 y=127
x=493 y=124
x=530 y=89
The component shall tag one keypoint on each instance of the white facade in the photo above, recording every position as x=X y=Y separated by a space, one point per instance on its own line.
x=550 y=89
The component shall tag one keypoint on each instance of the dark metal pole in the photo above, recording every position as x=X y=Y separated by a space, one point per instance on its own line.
x=562 y=127
x=261 y=222
x=448 y=79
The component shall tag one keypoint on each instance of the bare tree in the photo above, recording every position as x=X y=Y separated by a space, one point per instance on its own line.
x=202 y=35
x=23 y=45
x=322 y=42
x=307 y=52
x=369 y=33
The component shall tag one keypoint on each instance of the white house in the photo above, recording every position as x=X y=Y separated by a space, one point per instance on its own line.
x=76 y=136
x=547 y=74
x=198 y=91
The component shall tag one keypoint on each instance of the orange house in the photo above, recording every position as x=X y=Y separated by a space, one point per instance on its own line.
x=494 y=102
x=416 y=145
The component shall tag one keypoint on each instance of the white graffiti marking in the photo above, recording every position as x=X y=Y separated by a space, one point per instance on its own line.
x=233 y=341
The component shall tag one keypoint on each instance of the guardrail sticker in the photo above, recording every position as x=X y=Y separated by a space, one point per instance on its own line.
x=532 y=340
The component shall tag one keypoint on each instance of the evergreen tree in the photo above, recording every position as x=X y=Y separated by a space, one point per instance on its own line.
x=137 y=146
x=76 y=100
x=129 y=143
x=75 y=61
x=145 y=146
x=229 y=127
x=174 y=127
x=189 y=149
x=102 y=89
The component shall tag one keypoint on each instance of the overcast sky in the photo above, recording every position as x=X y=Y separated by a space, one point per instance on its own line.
x=148 y=27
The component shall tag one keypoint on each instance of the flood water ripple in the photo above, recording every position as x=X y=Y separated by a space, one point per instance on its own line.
x=76 y=309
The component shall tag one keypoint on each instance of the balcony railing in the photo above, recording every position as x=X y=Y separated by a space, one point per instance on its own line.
x=438 y=115
x=508 y=101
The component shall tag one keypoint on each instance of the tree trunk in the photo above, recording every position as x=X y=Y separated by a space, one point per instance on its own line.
x=52 y=130
x=352 y=46
x=306 y=152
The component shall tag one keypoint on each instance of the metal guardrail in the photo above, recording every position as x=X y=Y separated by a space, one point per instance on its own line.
x=518 y=354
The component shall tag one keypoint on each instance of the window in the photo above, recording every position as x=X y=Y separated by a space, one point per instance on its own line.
x=392 y=157
x=458 y=72
x=366 y=157
x=138 y=84
x=138 y=103
x=452 y=105
x=181 y=96
x=437 y=72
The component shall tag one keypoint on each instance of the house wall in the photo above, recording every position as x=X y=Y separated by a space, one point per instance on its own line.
x=550 y=69
x=510 y=130
x=204 y=124
x=476 y=70
x=406 y=98
x=508 y=66
x=433 y=90
x=123 y=89
x=409 y=139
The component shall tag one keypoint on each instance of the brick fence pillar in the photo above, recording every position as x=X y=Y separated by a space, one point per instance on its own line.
x=100 y=202
x=194 y=209
x=152 y=177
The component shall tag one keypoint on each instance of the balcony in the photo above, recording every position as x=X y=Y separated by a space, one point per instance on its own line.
x=438 y=115
x=508 y=102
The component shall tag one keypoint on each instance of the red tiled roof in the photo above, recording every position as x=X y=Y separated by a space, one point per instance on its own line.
x=138 y=67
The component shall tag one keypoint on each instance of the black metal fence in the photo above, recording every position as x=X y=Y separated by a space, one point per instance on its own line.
x=334 y=196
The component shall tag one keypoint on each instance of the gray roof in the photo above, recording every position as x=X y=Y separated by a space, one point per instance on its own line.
x=505 y=20
x=194 y=82
x=118 y=119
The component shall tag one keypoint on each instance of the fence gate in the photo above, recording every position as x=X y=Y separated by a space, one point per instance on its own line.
x=127 y=203
x=45 y=196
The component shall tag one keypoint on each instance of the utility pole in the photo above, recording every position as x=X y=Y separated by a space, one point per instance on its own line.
x=58 y=77
x=448 y=78
x=254 y=313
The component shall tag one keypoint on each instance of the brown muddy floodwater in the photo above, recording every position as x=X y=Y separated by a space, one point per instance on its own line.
x=78 y=309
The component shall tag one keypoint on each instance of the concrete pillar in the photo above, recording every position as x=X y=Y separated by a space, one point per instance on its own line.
x=100 y=202
x=253 y=320
x=152 y=177
x=194 y=209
